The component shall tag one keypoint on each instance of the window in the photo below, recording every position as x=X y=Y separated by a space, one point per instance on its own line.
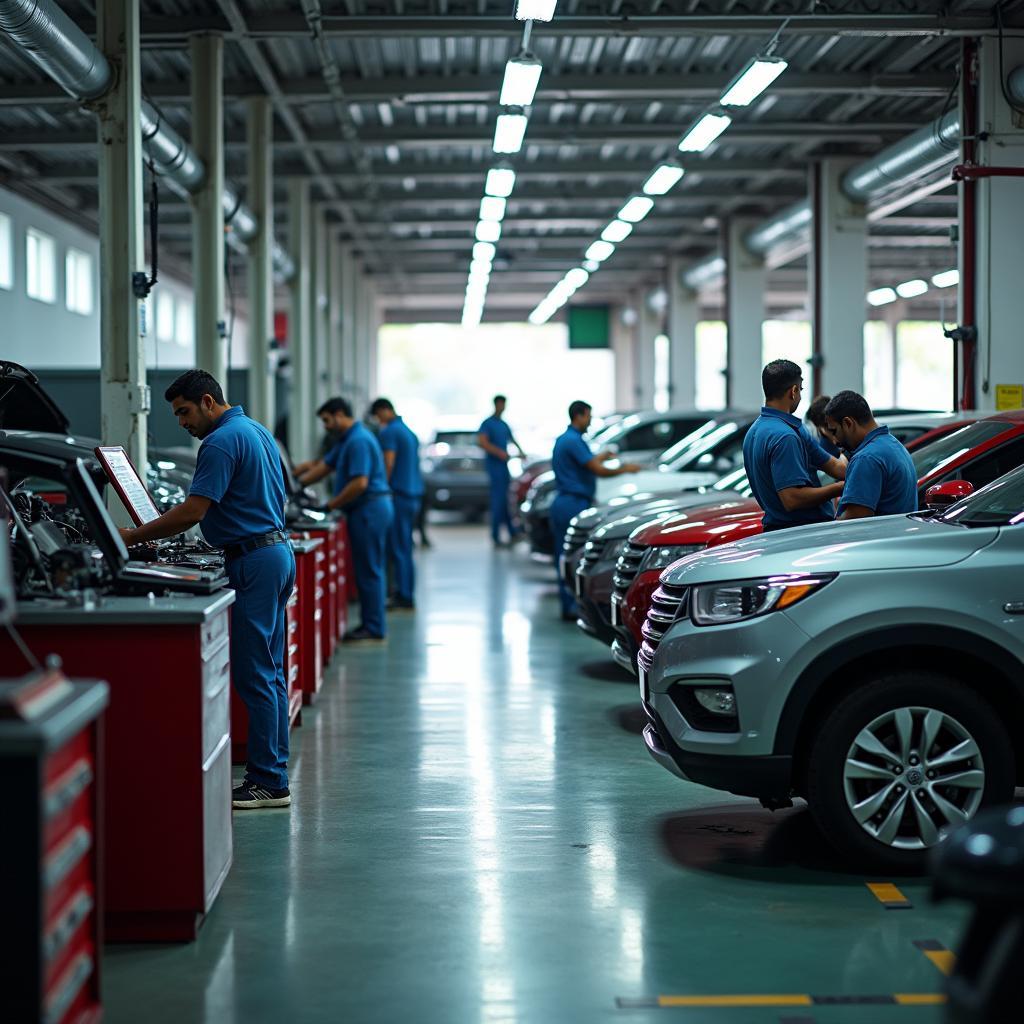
x=40 y=266
x=662 y=372
x=78 y=282
x=6 y=252
x=992 y=465
x=710 y=370
x=184 y=332
x=164 y=315
x=924 y=366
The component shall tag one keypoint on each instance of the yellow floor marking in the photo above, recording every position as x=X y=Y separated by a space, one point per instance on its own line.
x=919 y=998
x=944 y=959
x=886 y=892
x=767 y=1000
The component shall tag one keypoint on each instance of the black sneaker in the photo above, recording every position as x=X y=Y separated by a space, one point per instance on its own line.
x=251 y=795
x=401 y=604
x=361 y=635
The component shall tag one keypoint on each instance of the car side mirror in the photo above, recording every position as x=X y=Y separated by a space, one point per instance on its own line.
x=941 y=496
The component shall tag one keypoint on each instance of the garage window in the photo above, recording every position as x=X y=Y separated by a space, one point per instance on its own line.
x=165 y=315
x=40 y=266
x=78 y=282
x=6 y=252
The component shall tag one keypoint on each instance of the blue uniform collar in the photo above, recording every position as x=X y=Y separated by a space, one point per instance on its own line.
x=231 y=414
x=877 y=432
x=787 y=417
x=577 y=429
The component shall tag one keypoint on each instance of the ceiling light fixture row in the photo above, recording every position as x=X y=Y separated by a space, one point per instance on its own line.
x=911 y=289
x=518 y=89
x=756 y=76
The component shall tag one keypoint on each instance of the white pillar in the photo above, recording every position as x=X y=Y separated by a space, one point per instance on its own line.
x=260 y=198
x=319 y=278
x=207 y=56
x=647 y=328
x=744 y=304
x=373 y=347
x=622 y=351
x=124 y=394
x=361 y=339
x=1000 y=238
x=838 y=280
x=301 y=409
x=348 y=321
x=331 y=384
x=683 y=315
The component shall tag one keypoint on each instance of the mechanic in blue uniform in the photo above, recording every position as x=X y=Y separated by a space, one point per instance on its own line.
x=237 y=497
x=361 y=489
x=881 y=479
x=576 y=470
x=781 y=460
x=401 y=449
x=494 y=437
x=815 y=429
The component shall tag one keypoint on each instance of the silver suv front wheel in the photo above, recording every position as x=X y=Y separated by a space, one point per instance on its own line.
x=902 y=758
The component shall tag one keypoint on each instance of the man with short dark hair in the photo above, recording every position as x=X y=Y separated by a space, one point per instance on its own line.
x=881 y=479
x=401 y=449
x=237 y=497
x=781 y=460
x=361 y=489
x=494 y=437
x=576 y=470
x=816 y=431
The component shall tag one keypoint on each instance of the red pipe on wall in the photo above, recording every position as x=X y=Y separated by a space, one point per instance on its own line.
x=965 y=172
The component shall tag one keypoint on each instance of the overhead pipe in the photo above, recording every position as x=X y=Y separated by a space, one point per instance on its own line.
x=61 y=49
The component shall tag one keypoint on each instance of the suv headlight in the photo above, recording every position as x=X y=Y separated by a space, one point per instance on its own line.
x=715 y=603
x=662 y=558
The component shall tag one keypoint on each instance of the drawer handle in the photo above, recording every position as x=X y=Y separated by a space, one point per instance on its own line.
x=69 y=986
x=67 y=924
x=64 y=859
x=68 y=788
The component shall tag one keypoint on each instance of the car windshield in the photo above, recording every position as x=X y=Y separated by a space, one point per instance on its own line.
x=945 y=450
x=457 y=438
x=672 y=454
x=1001 y=503
x=699 y=454
x=734 y=481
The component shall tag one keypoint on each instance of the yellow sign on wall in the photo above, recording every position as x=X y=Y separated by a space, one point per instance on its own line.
x=1009 y=396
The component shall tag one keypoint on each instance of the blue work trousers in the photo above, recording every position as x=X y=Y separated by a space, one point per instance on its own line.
x=368 y=526
x=262 y=581
x=563 y=508
x=407 y=511
x=500 y=478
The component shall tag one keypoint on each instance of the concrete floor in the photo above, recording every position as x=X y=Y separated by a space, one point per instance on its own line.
x=477 y=835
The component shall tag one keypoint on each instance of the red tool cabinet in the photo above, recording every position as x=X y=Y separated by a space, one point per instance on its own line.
x=309 y=576
x=167 y=664
x=335 y=597
x=50 y=756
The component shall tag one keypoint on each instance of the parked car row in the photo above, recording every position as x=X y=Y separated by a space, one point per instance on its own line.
x=871 y=668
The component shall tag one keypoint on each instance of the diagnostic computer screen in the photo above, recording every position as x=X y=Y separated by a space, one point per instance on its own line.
x=129 y=486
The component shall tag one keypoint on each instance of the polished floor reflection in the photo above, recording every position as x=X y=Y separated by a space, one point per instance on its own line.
x=478 y=836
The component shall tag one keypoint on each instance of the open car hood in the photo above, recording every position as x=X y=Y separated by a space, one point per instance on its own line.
x=24 y=405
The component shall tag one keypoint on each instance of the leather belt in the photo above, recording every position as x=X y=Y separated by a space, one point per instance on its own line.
x=250 y=544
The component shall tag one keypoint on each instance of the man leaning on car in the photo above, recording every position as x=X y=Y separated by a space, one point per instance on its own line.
x=881 y=479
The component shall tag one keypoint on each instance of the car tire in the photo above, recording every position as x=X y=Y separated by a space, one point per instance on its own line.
x=847 y=776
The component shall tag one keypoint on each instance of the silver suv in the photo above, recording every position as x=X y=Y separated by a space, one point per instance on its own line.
x=874 y=668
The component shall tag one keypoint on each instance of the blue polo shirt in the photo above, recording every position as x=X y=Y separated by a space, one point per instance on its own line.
x=569 y=462
x=778 y=453
x=405 y=474
x=499 y=433
x=239 y=469
x=358 y=454
x=881 y=476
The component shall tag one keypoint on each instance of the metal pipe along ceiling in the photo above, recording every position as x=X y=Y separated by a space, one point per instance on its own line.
x=61 y=49
x=924 y=150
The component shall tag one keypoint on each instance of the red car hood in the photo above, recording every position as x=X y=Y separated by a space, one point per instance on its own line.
x=711 y=524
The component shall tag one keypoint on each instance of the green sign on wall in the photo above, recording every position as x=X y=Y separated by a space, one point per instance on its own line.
x=589 y=327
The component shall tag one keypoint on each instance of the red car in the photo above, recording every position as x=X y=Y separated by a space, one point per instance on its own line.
x=978 y=451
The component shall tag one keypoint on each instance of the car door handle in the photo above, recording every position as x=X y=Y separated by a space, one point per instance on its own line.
x=1014 y=608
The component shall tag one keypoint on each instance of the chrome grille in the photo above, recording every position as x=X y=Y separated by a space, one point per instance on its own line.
x=668 y=603
x=591 y=555
x=575 y=538
x=627 y=567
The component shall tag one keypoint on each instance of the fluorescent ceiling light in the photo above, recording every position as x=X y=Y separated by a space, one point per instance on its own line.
x=577 y=278
x=484 y=251
x=636 y=209
x=509 y=130
x=500 y=182
x=753 y=80
x=599 y=251
x=471 y=317
x=704 y=132
x=946 y=279
x=591 y=265
x=910 y=289
x=522 y=74
x=535 y=10
x=617 y=231
x=480 y=267
x=492 y=208
x=881 y=296
x=666 y=177
x=488 y=231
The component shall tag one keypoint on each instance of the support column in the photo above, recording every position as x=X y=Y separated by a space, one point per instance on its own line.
x=744 y=317
x=348 y=320
x=124 y=394
x=683 y=315
x=622 y=351
x=648 y=327
x=373 y=346
x=260 y=197
x=335 y=373
x=319 y=276
x=838 y=281
x=999 y=245
x=301 y=409
x=361 y=351
x=207 y=54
